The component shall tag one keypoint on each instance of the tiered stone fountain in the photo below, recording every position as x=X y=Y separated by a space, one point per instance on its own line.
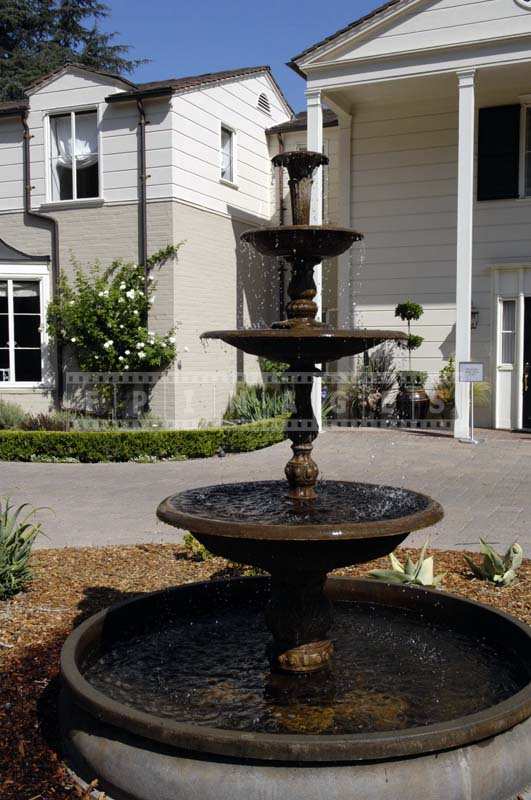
x=407 y=693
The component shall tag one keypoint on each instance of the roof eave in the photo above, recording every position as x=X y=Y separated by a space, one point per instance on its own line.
x=139 y=94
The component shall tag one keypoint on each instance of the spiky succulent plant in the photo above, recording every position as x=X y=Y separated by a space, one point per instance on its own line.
x=418 y=573
x=499 y=569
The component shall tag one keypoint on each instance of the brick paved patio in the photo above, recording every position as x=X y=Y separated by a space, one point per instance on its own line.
x=485 y=489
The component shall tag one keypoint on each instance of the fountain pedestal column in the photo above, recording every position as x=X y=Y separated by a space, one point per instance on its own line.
x=301 y=470
x=299 y=616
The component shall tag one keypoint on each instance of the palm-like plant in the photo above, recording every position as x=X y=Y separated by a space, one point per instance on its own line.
x=414 y=573
x=18 y=531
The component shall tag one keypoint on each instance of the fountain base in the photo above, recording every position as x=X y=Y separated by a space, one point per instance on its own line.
x=140 y=755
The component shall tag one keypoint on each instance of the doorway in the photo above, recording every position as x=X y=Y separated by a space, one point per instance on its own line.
x=526 y=378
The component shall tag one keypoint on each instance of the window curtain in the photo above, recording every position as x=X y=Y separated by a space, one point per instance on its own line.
x=85 y=144
x=226 y=154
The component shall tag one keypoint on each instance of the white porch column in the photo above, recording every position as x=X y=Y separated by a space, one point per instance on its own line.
x=315 y=142
x=465 y=205
x=345 y=288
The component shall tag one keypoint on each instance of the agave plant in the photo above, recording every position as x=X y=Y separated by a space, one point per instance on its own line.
x=417 y=573
x=18 y=531
x=496 y=568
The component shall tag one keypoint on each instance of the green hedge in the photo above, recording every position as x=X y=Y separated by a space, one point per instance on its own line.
x=94 y=446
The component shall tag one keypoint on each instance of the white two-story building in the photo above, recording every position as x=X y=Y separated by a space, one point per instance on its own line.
x=432 y=148
x=96 y=168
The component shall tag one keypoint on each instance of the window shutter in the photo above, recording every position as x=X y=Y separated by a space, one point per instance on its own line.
x=498 y=152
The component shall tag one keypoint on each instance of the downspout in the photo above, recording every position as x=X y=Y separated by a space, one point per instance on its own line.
x=142 y=193
x=53 y=226
x=281 y=220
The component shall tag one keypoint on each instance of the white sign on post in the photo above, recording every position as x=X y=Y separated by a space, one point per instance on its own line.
x=471 y=372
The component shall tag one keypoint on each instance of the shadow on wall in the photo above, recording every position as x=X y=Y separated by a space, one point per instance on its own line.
x=257 y=281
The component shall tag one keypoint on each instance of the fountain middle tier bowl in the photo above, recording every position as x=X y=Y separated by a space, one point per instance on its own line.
x=304 y=342
x=257 y=523
x=307 y=242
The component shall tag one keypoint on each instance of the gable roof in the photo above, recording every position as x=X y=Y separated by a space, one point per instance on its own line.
x=32 y=87
x=195 y=82
x=300 y=122
x=352 y=26
x=9 y=253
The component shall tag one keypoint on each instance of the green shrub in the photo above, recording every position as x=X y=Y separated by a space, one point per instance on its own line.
x=18 y=531
x=499 y=569
x=120 y=445
x=257 y=402
x=11 y=415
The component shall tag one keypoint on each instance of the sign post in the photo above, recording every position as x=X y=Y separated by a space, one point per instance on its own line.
x=471 y=372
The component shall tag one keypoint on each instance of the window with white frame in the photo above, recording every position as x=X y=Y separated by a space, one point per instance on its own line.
x=508 y=331
x=227 y=154
x=20 y=330
x=74 y=158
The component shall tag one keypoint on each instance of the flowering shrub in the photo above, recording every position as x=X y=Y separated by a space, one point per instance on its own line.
x=102 y=317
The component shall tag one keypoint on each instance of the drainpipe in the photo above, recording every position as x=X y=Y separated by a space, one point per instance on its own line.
x=142 y=193
x=281 y=219
x=53 y=227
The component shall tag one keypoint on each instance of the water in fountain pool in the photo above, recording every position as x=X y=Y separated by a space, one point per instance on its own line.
x=267 y=502
x=391 y=670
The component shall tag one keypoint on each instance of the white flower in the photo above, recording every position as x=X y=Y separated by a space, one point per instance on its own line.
x=97 y=358
x=73 y=339
x=101 y=294
x=121 y=300
x=122 y=285
x=171 y=339
x=141 y=354
x=151 y=278
x=121 y=327
x=151 y=333
x=130 y=294
x=140 y=345
x=72 y=303
x=151 y=300
x=120 y=358
x=108 y=343
x=127 y=352
x=126 y=366
x=135 y=312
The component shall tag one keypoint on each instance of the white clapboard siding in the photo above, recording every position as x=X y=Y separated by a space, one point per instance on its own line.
x=433 y=25
x=197 y=119
x=404 y=168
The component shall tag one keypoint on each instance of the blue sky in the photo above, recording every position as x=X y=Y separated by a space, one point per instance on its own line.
x=205 y=36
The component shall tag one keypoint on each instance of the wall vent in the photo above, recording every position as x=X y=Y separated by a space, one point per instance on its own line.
x=263 y=104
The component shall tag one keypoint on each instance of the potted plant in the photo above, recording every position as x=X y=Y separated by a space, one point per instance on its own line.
x=412 y=402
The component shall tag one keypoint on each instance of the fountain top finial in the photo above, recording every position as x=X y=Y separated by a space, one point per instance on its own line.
x=300 y=163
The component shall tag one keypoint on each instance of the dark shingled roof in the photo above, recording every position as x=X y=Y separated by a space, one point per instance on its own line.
x=378 y=10
x=193 y=82
x=150 y=88
x=8 y=108
x=300 y=122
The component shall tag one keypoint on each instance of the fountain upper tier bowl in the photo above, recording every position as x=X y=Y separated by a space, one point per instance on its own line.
x=307 y=242
x=309 y=343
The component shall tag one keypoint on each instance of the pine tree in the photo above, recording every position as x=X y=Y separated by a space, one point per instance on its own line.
x=38 y=36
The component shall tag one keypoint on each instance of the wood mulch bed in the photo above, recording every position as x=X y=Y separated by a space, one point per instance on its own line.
x=70 y=585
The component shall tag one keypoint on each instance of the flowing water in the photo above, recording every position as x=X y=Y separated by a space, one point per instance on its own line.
x=391 y=670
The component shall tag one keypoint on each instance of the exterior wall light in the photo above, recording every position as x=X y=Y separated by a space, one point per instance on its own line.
x=474 y=317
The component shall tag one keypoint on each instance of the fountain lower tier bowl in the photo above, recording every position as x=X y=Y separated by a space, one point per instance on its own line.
x=170 y=695
x=306 y=242
x=257 y=523
x=304 y=342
